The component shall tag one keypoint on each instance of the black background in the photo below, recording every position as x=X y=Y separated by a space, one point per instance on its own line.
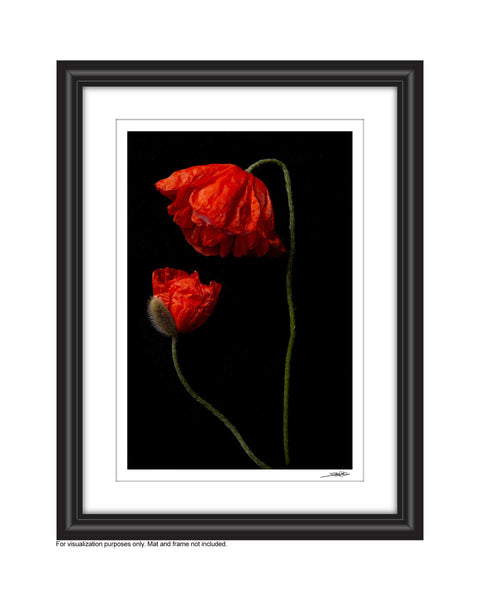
x=236 y=359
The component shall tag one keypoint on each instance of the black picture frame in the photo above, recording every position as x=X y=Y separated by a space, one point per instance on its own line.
x=407 y=78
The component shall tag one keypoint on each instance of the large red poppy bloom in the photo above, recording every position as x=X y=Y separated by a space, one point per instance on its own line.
x=221 y=208
x=189 y=301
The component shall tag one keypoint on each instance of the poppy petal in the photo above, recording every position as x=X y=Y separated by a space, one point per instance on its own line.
x=217 y=205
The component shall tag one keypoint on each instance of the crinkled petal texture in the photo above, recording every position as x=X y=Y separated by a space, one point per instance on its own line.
x=189 y=300
x=222 y=209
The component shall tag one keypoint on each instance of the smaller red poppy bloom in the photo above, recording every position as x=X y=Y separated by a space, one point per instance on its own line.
x=187 y=299
x=222 y=209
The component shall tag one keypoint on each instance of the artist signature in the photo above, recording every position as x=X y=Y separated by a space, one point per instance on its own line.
x=336 y=474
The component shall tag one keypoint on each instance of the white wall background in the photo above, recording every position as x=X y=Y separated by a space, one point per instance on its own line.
x=445 y=35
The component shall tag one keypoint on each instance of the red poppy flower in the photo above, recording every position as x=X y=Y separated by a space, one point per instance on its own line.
x=188 y=300
x=220 y=208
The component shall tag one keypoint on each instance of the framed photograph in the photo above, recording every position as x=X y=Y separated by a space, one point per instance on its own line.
x=240 y=300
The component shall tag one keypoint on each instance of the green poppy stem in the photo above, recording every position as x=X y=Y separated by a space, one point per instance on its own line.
x=291 y=308
x=213 y=410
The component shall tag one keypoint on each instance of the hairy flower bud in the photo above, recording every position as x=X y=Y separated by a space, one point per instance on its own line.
x=161 y=317
x=185 y=298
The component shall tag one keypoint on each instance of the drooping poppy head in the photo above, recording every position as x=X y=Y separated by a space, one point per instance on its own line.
x=222 y=208
x=181 y=302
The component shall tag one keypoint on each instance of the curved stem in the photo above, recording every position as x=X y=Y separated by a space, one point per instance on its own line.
x=213 y=410
x=291 y=308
